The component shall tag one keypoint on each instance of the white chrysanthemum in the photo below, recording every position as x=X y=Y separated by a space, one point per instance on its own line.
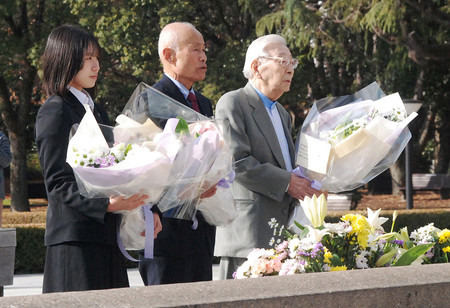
x=258 y=253
x=293 y=247
x=290 y=267
x=138 y=153
x=87 y=158
x=425 y=234
x=243 y=271
x=340 y=228
x=119 y=151
x=372 y=243
x=361 y=260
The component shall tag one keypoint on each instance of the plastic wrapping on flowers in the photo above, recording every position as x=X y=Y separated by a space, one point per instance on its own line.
x=152 y=152
x=124 y=169
x=202 y=161
x=347 y=141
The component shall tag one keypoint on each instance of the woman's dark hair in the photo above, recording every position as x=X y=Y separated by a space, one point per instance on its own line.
x=63 y=57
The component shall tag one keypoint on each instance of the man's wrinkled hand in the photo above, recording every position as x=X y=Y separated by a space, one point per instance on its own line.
x=300 y=188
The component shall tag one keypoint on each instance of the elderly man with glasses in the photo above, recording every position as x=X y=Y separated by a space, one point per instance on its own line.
x=258 y=131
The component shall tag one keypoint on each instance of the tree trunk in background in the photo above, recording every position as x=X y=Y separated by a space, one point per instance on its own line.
x=398 y=175
x=442 y=150
x=18 y=175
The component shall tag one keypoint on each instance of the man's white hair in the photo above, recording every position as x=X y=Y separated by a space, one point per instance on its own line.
x=169 y=37
x=258 y=49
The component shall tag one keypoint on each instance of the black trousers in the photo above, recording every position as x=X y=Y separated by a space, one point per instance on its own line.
x=165 y=270
x=80 y=266
x=181 y=253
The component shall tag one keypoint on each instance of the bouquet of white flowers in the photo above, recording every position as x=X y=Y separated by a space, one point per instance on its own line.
x=123 y=169
x=201 y=161
x=150 y=152
x=347 y=141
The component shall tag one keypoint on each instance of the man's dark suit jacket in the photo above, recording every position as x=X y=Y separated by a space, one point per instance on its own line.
x=178 y=239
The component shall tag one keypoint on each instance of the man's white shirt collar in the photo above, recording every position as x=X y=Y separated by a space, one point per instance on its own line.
x=83 y=97
x=180 y=86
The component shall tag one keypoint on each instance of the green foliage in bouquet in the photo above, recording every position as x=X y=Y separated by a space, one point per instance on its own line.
x=182 y=126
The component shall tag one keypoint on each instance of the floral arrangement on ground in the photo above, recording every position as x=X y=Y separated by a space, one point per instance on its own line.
x=355 y=242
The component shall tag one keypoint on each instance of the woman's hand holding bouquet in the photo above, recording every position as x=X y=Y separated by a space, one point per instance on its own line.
x=119 y=203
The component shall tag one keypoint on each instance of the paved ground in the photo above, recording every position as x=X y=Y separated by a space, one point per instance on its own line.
x=31 y=284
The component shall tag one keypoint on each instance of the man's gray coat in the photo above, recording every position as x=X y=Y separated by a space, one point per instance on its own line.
x=261 y=175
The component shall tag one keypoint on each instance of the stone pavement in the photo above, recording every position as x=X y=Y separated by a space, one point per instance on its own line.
x=31 y=284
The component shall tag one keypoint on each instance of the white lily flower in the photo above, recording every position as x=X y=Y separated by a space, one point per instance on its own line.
x=315 y=209
x=314 y=236
x=374 y=220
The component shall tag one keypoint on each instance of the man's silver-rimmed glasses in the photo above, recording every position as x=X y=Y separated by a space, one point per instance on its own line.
x=284 y=62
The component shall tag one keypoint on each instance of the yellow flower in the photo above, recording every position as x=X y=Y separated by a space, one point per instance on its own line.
x=338 y=268
x=444 y=236
x=327 y=256
x=360 y=227
x=446 y=249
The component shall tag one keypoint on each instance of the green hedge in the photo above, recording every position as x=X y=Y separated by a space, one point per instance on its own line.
x=412 y=219
x=30 y=250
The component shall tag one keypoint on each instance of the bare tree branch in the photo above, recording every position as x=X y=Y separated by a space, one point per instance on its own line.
x=430 y=11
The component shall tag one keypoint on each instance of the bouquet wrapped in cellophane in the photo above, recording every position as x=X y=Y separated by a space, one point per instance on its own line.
x=108 y=164
x=149 y=152
x=202 y=161
x=347 y=141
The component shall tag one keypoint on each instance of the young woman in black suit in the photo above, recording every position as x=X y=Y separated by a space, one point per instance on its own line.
x=80 y=235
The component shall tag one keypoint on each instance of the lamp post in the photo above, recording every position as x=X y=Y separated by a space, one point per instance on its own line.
x=410 y=106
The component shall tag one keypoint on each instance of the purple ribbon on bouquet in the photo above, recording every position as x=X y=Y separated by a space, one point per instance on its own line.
x=314 y=184
x=225 y=182
x=149 y=231
x=149 y=235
